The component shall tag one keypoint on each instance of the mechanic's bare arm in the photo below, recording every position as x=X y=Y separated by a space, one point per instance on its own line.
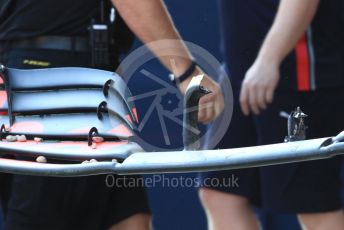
x=150 y=22
x=292 y=19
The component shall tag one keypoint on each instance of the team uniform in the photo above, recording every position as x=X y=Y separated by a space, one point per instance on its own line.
x=312 y=77
x=60 y=203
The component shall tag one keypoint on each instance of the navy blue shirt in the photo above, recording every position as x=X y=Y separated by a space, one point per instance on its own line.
x=317 y=60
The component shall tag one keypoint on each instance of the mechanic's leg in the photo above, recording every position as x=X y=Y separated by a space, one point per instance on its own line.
x=312 y=188
x=322 y=221
x=135 y=222
x=227 y=211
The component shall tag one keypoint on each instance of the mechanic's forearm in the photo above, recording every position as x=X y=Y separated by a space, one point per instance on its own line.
x=292 y=19
x=150 y=21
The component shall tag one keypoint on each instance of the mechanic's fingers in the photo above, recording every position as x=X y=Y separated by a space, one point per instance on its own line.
x=219 y=105
x=202 y=113
x=269 y=95
x=210 y=105
x=218 y=102
x=206 y=108
x=244 y=95
x=253 y=100
x=261 y=98
x=210 y=111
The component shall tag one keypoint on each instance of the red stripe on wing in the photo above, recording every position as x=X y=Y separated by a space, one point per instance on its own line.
x=27 y=126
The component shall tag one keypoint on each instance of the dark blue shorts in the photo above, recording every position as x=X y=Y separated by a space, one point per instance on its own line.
x=306 y=187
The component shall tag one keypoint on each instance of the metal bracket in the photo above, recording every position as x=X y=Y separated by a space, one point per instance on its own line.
x=296 y=126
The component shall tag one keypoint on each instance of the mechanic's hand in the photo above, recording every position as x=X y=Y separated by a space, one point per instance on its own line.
x=258 y=87
x=210 y=105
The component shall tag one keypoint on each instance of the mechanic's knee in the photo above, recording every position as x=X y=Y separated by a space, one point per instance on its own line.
x=138 y=222
x=212 y=199
x=322 y=221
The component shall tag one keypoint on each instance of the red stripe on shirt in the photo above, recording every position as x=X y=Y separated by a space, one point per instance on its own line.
x=302 y=64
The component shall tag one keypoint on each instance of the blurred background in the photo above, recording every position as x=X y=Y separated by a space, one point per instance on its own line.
x=179 y=208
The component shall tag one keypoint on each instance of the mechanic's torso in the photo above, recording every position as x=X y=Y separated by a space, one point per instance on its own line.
x=29 y=18
x=245 y=24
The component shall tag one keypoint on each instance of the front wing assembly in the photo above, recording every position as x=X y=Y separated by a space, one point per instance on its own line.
x=70 y=108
